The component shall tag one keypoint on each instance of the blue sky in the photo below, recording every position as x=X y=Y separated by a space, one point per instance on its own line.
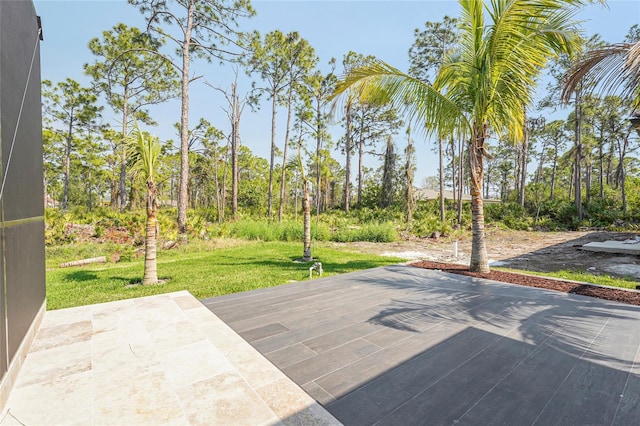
x=380 y=28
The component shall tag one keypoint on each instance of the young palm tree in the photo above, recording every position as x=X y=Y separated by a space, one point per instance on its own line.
x=484 y=86
x=144 y=154
x=296 y=163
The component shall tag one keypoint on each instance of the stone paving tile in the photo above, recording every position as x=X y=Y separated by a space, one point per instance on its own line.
x=233 y=402
x=51 y=403
x=64 y=334
x=296 y=408
x=46 y=367
x=161 y=360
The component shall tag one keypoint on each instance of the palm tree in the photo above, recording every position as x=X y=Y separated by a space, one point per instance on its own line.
x=483 y=86
x=610 y=68
x=296 y=163
x=144 y=154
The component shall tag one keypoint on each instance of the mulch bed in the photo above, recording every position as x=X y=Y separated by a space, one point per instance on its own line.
x=623 y=296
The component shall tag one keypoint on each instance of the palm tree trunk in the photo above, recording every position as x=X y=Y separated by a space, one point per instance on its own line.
x=150 y=242
x=479 y=260
x=306 y=210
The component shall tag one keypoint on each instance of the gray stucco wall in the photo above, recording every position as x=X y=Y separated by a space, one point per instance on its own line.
x=22 y=268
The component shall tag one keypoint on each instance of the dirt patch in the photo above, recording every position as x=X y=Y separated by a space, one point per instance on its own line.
x=624 y=296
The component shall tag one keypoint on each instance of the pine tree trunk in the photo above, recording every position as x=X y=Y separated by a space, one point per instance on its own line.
x=623 y=191
x=523 y=165
x=123 y=153
x=454 y=185
x=347 y=161
x=553 y=176
x=386 y=194
x=183 y=191
x=410 y=199
x=272 y=158
x=587 y=181
x=235 y=139
x=318 y=159
x=578 y=159
x=67 y=165
x=284 y=155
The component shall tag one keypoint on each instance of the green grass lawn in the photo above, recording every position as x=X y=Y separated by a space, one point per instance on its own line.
x=205 y=269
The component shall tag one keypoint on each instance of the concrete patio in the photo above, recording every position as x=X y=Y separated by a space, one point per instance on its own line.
x=406 y=346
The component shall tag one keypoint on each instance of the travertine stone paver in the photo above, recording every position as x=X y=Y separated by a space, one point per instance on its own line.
x=407 y=346
x=151 y=361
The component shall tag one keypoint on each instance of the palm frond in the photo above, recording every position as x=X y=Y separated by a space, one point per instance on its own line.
x=613 y=67
x=493 y=76
x=422 y=105
x=143 y=153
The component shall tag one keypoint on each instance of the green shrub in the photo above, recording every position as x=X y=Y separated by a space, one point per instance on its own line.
x=512 y=215
x=379 y=233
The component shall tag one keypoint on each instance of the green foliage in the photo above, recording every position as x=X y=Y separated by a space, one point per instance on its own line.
x=377 y=233
x=427 y=225
x=512 y=215
x=55 y=231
